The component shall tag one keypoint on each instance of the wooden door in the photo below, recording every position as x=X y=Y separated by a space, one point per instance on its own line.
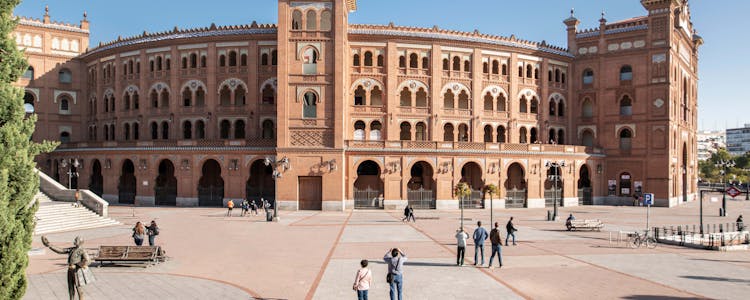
x=310 y=193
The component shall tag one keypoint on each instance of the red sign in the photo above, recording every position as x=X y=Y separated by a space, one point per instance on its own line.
x=733 y=191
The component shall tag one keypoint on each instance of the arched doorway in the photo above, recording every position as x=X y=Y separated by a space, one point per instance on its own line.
x=683 y=171
x=96 y=182
x=421 y=186
x=73 y=179
x=471 y=174
x=165 y=188
x=515 y=187
x=127 y=187
x=368 y=188
x=584 y=187
x=260 y=184
x=211 y=185
x=625 y=184
x=553 y=187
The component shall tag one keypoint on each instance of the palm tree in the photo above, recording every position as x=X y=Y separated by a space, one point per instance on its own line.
x=490 y=189
x=461 y=190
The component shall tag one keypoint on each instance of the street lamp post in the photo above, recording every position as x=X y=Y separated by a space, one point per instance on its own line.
x=70 y=164
x=284 y=165
x=555 y=177
x=724 y=165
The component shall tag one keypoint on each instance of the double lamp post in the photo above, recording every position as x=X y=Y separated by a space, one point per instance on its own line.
x=555 y=177
x=724 y=165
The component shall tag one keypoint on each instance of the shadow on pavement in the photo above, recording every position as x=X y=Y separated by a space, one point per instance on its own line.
x=711 y=278
x=656 y=297
x=417 y=263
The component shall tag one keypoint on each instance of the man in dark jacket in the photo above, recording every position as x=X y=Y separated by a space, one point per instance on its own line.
x=496 y=243
x=480 y=235
x=511 y=232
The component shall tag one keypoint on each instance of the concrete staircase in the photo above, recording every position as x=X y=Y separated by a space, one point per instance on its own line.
x=55 y=216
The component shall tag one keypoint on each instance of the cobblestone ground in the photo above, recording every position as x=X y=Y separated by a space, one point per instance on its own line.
x=314 y=255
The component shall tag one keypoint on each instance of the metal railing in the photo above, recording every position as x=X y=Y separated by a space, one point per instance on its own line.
x=421 y=199
x=585 y=196
x=515 y=198
x=474 y=201
x=713 y=236
x=368 y=199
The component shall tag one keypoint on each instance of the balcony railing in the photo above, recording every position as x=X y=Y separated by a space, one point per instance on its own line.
x=435 y=145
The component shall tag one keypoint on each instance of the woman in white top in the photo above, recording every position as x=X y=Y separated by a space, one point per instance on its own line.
x=362 y=281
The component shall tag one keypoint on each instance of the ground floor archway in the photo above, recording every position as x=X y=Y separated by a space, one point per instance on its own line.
x=96 y=182
x=515 y=187
x=260 y=184
x=126 y=188
x=553 y=187
x=368 y=187
x=211 y=185
x=165 y=187
x=585 y=191
x=471 y=174
x=420 y=188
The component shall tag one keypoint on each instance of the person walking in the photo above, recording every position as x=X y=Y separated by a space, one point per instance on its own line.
x=244 y=207
x=511 y=232
x=139 y=233
x=480 y=235
x=363 y=280
x=406 y=214
x=461 y=237
x=230 y=205
x=496 y=244
x=411 y=215
x=395 y=259
x=152 y=231
x=254 y=207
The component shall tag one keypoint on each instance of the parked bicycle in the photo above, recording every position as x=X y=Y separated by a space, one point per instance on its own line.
x=638 y=240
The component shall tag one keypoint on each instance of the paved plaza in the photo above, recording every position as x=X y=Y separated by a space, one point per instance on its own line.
x=314 y=255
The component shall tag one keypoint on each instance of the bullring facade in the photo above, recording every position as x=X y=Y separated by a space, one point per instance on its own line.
x=317 y=113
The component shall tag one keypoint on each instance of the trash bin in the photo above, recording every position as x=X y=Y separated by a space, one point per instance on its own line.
x=269 y=216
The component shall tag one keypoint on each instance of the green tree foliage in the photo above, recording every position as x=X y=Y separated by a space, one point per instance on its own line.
x=711 y=173
x=18 y=180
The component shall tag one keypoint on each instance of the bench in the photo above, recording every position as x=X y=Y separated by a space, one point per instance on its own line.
x=585 y=224
x=130 y=255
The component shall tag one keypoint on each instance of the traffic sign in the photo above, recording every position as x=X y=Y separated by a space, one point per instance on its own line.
x=733 y=191
x=648 y=199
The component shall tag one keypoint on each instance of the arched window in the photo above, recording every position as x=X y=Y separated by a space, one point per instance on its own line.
x=402 y=62
x=463 y=100
x=376 y=96
x=405 y=134
x=225 y=96
x=375 y=131
x=561 y=137
x=164 y=130
x=523 y=105
x=587 y=108
x=413 y=61
x=528 y=71
x=421 y=132
x=310 y=105
x=488 y=134
x=495 y=67
x=222 y=60
x=200 y=130
x=64 y=137
x=448 y=135
x=28 y=101
x=154 y=131
x=312 y=20
x=561 y=109
x=359 y=131
x=136 y=100
x=446 y=65
x=269 y=95
x=522 y=138
x=136 y=131
x=274 y=58
x=405 y=97
x=557 y=75
x=552 y=107
x=355 y=60
x=588 y=76
x=489 y=102
x=359 y=96
x=421 y=98
x=193 y=60
x=534 y=137
x=240 y=96
x=587 y=138
x=552 y=135
x=126 y=101
x=485 y=68
x=126 y=130
x=64 y=104
x=232 y=58
x=310 y=61
x=467 y=66
x=164 y=98
x=264 y=59
x=368 y=59
x=520 y=71
x=505 y=69
x=224 y=128
x=65 y=76
x=463 y=133
x=29 y=74
x=158 y=63
x=380 y=60
x=501 y=134
x=112 y=132
x=187 y=130
x=296 y=20
x=184 y=62
x=325 y=20
x=626 y=73
x=168 y=64
x=626 y=106
x=549 y=76
x=449 y=99
x=456 y=63
x=187 y=97
x=501 y=103
x=534 y=106
x=536 y=73
x=239 y=129
x=154 y=96
x=200 y=97
x=425 y=62
x=268 y=130
x=626 y=137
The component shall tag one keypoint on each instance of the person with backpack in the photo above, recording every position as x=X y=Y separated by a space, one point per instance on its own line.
x=411 y=215
x=245 y=207
x=152 y=231
x=362 y=281
x=395 y=260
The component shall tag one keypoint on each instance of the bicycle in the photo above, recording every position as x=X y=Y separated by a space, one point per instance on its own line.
x=637 y=240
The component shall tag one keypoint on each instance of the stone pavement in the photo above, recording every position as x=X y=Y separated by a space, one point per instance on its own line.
x=314 y=255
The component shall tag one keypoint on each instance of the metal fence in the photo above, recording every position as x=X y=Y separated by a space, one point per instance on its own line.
x=585 y=196
x=550 y=195
x=713 y=236
x=165 y=195
x=421 y=199
x=515 y=198
x=368 y=199
x=474 y=201
x=211 y=196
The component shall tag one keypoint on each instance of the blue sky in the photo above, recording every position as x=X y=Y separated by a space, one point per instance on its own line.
x=721 y=103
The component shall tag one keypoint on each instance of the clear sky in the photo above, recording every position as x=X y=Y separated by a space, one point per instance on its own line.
x=722 y=24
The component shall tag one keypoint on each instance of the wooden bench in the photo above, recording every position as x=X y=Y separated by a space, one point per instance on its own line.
x=586 y=224
x=129 y=255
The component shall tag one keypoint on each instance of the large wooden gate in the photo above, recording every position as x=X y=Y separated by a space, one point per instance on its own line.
x=310 y=193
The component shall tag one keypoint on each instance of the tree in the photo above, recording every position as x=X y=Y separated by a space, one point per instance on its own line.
x=18 y=180
x=490 y=189
x=461 y=191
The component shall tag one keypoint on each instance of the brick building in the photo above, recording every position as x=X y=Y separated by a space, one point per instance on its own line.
x=318 y=113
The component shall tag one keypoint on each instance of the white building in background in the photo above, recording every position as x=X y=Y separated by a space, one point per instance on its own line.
x=738 y=140
x=709 y=142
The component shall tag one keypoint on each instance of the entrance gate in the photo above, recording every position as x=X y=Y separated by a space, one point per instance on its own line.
x=368 y=199
x=421 y=199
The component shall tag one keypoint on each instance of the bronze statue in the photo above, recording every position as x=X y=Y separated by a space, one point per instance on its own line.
x=78 y=262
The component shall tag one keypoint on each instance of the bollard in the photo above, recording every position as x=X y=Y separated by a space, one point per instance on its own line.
x=549 y=215
x=721 y=228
